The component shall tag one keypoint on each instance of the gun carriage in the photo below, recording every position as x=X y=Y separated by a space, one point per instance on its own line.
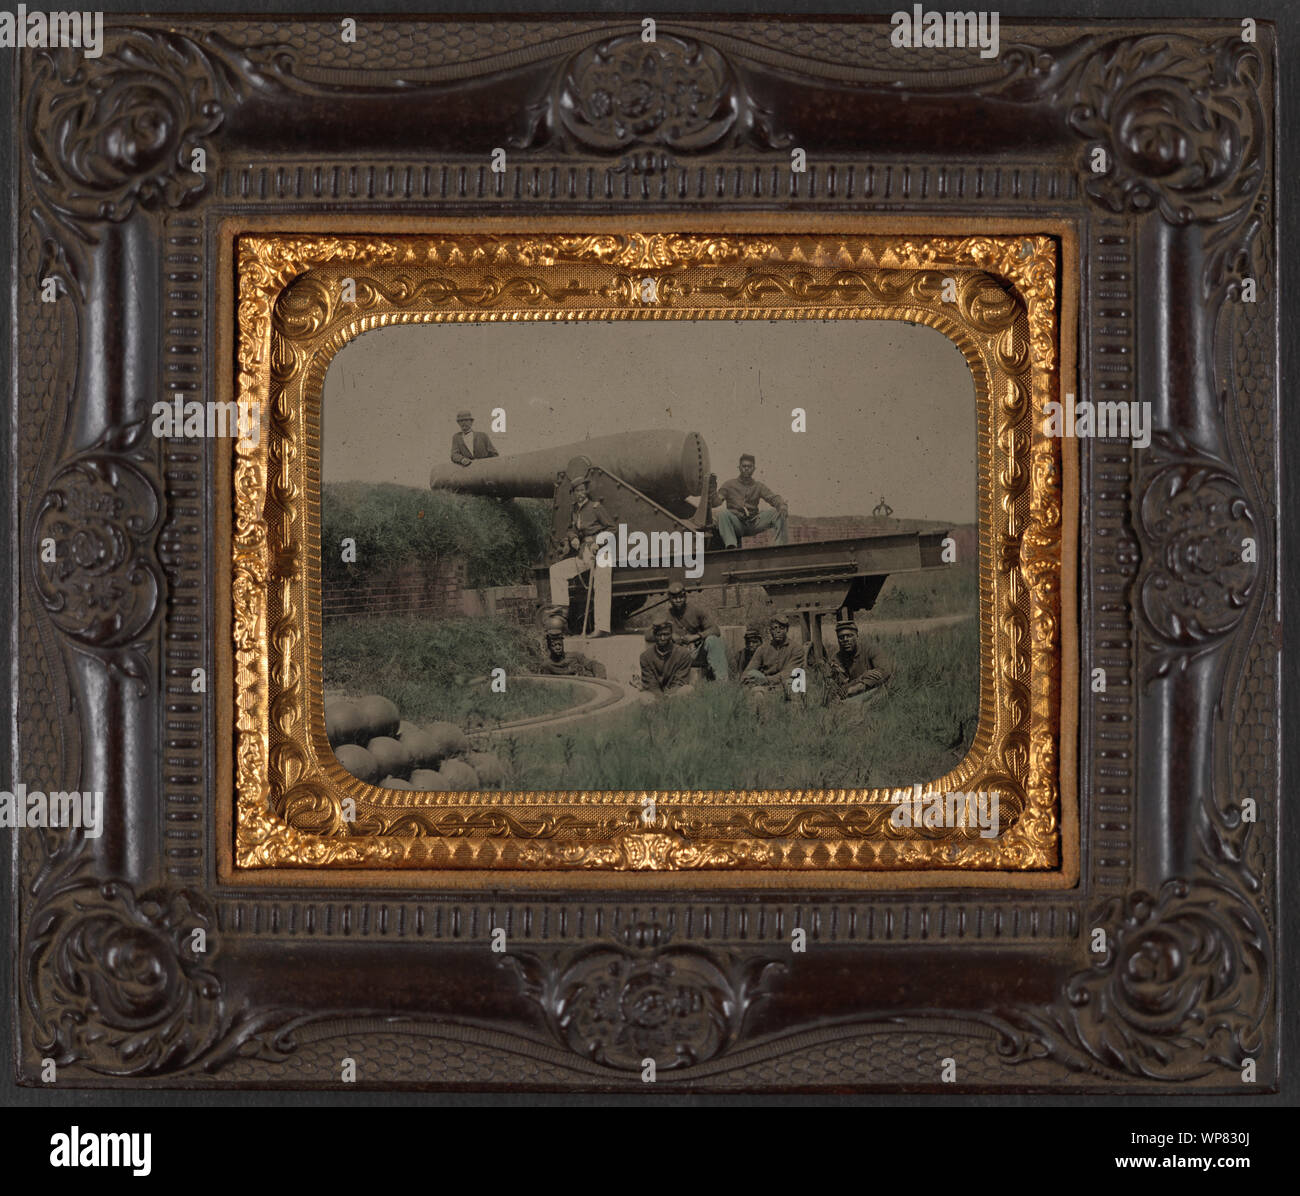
x=659 y=483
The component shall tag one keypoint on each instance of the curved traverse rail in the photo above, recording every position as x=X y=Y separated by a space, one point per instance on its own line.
x=604 y=696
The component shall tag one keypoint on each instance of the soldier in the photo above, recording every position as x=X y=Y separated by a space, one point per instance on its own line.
x=745 y=653
x=665 y=666
x=774 y=662
x=468 y=445
x=741 y=516
x=694 y=629
x=858 y=673
x=587 y=521
x=561 y=664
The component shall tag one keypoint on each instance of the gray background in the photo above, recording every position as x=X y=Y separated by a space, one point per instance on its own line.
x=890 y=406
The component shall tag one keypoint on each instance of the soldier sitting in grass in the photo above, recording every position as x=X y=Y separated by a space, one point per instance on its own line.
x=696 y=629
x=858 y=673
x=775 y=661
x=566 y=664
x=666 y=666
x=744 y=655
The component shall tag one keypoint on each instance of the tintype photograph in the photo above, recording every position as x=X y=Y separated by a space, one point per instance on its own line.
x=543 y=650
x=644 y=554
x=531 y=534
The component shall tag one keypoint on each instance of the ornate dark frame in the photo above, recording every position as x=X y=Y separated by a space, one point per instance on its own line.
x=295 y=126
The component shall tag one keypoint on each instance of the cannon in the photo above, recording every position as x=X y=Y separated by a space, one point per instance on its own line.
x=658 y=482
x=655 y=481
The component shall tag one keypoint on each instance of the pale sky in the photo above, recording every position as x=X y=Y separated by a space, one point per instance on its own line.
x=890 y=407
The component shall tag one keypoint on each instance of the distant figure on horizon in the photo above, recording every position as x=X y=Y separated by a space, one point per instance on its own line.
x=883 y=509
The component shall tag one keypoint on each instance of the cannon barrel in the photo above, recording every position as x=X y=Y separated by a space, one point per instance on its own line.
x=665 y=465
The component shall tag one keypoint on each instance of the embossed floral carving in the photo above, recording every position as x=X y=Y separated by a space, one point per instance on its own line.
x=118 y=131
x=119 y=983
x=669 y=92
x=93 y=556
x=674 y=93
x=1181 y=119
x=1201 y=564
x=1179 y=992
x=621 y=1005
x=123 y=984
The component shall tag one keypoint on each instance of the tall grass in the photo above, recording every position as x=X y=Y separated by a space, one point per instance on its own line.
x=929 y=593
x=426 y=667
x=722 y=737
x=394 y=525
x=718 y=737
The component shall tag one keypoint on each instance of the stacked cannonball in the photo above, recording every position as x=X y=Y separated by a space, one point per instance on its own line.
x=372 y=741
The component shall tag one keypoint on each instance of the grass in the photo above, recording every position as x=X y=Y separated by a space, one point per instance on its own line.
x=427 y=666
x=394 y=525
x=719 y=737
x=927 y=594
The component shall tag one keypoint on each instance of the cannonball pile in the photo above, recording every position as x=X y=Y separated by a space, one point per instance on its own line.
x=375 y=744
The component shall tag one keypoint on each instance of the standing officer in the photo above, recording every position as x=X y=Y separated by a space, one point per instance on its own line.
x=741 y=516
x=859 y=674
x=665 y=666
x=587 y=521
x=694 y=629
x=468 y=445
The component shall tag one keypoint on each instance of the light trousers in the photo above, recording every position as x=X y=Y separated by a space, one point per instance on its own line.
x=575 y=566
x=732 y=526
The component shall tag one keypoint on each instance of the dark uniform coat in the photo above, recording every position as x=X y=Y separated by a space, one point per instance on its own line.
x=662 y=674
x=870 y=663
x=588 y=521
x=692 y=621
x=774 y=662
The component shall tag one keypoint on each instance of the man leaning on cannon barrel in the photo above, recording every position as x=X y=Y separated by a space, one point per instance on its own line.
x=468 y=445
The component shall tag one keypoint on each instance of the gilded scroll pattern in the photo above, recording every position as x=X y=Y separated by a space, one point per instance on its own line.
x=291 y=324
